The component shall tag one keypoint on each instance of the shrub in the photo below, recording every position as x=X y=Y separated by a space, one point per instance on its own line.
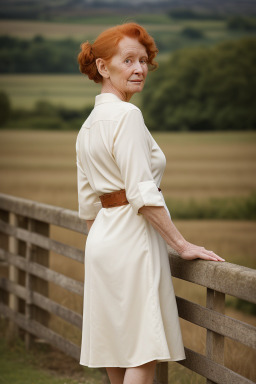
x=192 y=33
x=204 y=89
x=5 y=108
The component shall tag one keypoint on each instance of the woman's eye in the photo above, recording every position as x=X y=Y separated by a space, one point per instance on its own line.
x=127 y=61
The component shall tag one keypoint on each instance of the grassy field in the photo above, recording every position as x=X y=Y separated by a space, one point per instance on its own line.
x=42 y=365
x=214 y=30
x=90 y=28
x=41 y=166
x=38 y=165
x=71 y=91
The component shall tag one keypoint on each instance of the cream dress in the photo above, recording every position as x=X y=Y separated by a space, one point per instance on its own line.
x=130 y=314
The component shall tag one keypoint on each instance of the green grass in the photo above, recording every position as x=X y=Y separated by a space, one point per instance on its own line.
x=18 y=366
x=200 y=167
x=72 y=91
x=160 y=26
x=229 y=208
x=110 y=19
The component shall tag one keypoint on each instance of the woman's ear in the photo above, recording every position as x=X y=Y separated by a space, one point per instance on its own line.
x=102 y=68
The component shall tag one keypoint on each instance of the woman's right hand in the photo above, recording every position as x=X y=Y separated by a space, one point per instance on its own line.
x=192 y=251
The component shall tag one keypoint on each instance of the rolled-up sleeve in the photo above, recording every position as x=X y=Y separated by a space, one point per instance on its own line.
x=132 y=153
x=88 y=201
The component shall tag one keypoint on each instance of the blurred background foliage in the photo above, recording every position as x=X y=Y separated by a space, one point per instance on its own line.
x=204 y=89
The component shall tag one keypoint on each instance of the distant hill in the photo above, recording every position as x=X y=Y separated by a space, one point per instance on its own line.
x=50 y=10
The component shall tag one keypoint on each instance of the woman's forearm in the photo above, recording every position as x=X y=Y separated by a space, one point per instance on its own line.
x=160 y=220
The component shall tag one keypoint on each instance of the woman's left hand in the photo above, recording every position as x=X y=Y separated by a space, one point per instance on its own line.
x=192 y=251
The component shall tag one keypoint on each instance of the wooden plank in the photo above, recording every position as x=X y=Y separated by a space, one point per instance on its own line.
x=214 y=341
x=28 y=287
x=195 y=313
x=38 y=257
x=44 y=273
x=43 y=212
x=42 y=332
x=43 y=242
x=4 y=267
x=241 y=281
x=12 y=331
x=217 y=322
x=16 y=289
x=57 y=309
x=43 y=302
x=211 y=370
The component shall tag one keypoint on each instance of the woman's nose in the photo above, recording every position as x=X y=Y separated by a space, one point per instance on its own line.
x=138 y=67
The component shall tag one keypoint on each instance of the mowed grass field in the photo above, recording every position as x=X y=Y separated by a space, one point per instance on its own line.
x=40 y=165
x=71 y=91
x=91 y=27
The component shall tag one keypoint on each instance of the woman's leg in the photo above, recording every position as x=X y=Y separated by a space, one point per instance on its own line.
x=143 y=374
x=116 y=375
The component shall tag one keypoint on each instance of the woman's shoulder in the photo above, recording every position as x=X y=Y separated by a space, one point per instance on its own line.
x=124 y=107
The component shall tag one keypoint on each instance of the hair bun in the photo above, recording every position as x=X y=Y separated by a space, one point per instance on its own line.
x=87 y=62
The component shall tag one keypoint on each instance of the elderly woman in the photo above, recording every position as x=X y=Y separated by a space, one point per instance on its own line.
x=130 y=319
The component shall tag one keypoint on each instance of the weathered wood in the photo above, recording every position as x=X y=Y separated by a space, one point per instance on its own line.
x=215 y=301
x=217 y=322
x=43 y=242
x=11 y=287
x=41 y=331
x=43 y=302
x=241 y=281
x=43 y=212
x=4 y=216
x=13 y=276
x=161 y=373
x=211 y=370
x=28 y=287
x=39 y=257
x=44 y=273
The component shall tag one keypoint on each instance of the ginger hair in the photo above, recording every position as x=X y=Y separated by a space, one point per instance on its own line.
x=106 y=45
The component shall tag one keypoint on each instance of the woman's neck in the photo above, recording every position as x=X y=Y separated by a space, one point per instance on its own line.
x=108 y=88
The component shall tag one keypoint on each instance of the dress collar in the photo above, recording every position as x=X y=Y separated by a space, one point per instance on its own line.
x=106 y=98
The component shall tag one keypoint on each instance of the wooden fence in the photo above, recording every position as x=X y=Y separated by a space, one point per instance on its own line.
x=24 y=262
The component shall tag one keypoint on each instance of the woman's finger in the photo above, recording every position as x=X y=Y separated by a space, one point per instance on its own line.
x=213 y=256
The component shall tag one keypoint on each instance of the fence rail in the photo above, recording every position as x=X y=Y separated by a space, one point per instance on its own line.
x=25 y=246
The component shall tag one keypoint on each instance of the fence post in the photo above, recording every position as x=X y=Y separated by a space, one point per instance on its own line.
x=40 y=256
x=28 y=285
x=4 y=216
x=215 y=342
x=13 y=277
x=161 y=374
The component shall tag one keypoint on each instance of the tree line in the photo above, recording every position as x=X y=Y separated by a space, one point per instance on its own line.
x=38 y=55
x=199 y=89
x=41 y=55
x=204 y=89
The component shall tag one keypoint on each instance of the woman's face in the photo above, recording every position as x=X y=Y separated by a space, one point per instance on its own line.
x=128 y=68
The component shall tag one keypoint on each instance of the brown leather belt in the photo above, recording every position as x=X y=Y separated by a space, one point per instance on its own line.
x=115 y=199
